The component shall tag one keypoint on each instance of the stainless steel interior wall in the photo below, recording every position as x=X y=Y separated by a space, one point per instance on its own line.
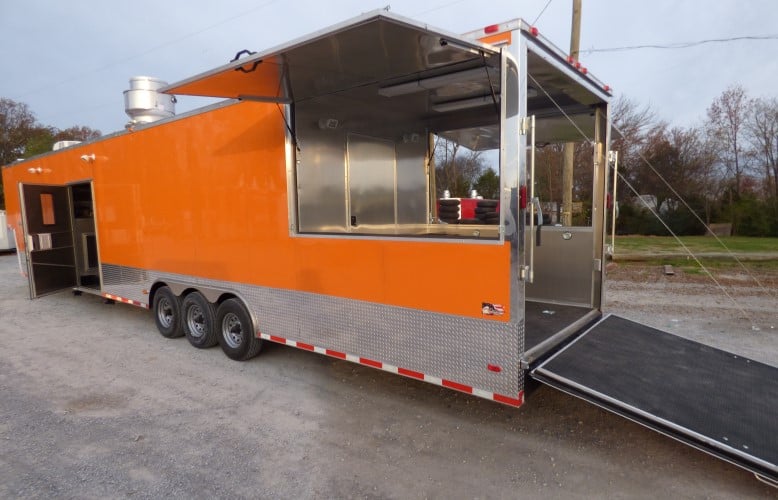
x=412 y=179
x=563 y=266
x=371 y=181
x=335 y=130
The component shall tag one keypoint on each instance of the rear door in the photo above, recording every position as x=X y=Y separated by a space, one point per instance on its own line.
x=46 y=214
x=716 y=401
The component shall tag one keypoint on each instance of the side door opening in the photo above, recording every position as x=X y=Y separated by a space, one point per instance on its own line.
x=85 y=236
x=60 y=237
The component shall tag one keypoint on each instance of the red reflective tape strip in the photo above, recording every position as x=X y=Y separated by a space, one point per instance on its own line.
x=457 y=386
x=410 y=373
x=508 y=400
x=370 y=362
x=335 y=354
x=406 y=372
x=125 y=301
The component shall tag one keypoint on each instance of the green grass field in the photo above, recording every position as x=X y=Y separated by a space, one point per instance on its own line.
x=626 y=245
x=759 y=253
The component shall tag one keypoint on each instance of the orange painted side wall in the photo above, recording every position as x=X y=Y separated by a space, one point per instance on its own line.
x=206 y=195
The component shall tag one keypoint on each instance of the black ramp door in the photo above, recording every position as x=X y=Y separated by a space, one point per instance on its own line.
x=721 y=403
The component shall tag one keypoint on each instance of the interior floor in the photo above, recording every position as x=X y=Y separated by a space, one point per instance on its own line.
x=543 y=319
x=90 y=281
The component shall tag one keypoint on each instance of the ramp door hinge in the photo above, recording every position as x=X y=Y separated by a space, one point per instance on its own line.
x=525 y=125
x=598 y=264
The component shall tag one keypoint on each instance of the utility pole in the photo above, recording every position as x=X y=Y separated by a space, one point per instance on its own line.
x=569 y=150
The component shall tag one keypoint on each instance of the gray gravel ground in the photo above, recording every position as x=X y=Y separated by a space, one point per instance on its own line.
x=95 y=404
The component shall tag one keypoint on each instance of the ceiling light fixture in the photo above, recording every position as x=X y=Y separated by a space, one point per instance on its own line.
x=473 y=102
x=436 y=82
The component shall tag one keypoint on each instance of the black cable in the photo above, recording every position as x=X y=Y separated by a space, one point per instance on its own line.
x=541 y=12
x=681 y=45
x=491 y=87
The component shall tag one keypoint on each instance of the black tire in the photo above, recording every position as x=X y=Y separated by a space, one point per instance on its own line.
x=235 y=331
x=167 y=313
x=469 y=221
x=446 y=202
x=449 y=210
x=484 y=210
x=199 y=321
x=487 y=203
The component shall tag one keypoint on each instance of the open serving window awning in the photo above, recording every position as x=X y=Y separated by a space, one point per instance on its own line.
x=375 y=48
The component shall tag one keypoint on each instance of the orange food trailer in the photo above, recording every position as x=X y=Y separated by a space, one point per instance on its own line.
x=302 y=210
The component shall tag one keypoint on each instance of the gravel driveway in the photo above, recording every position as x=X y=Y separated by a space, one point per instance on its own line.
x=96 y=404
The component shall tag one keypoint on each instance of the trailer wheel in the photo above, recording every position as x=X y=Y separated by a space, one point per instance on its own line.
x=199 y=321
x=236 y=331
x=167 y=313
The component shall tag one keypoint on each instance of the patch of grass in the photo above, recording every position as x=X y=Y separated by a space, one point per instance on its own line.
x=690 y=266
x=658 y=245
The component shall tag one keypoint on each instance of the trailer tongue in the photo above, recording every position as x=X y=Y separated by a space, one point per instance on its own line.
x=713 y=400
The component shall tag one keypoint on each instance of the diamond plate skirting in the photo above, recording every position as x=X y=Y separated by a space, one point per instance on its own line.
x=446 y=346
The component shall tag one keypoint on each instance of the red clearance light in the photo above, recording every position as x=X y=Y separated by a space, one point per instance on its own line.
x=607 y=88
x=494 y=368
x=534 y=31
x=578 y=65
x=492 y=28
x=570 y=59
x=584 y=70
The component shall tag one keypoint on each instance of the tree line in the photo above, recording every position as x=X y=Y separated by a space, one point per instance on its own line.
x=722 y=170
x=22 y=136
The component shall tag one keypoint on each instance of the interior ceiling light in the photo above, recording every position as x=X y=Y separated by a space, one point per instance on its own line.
x=473 y=102
x=436 y=82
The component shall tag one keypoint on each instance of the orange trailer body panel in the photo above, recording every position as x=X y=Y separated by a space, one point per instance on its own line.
x=167 y=200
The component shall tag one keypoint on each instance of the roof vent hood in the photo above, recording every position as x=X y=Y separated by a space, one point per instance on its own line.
x=144 y=104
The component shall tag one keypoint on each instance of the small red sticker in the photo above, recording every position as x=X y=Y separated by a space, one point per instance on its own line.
x=489 y=309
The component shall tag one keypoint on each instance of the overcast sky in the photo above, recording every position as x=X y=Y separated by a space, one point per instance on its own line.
x=71 y=61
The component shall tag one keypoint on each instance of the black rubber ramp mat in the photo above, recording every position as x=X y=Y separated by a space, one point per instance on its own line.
x=711 y=399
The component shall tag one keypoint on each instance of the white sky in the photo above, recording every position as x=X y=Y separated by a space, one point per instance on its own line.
x=71 y=61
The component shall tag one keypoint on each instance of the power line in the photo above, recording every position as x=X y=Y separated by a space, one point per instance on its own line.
x=682 y=45
x=541 y=12
x=448 y=4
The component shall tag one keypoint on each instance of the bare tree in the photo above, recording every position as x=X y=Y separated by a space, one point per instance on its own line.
x=727 y=118
x=457 y=168
x=631 y=124
x=762 y=132
x=672 y=154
